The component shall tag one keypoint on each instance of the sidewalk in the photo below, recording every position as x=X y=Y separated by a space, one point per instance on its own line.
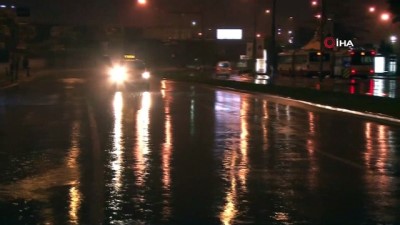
x=5 y=81
x=35 y=74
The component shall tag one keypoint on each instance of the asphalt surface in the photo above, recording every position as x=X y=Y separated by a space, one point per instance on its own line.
x=73 y=151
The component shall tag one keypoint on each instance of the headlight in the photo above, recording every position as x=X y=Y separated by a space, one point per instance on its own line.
x=146 y=75
x=118 y=73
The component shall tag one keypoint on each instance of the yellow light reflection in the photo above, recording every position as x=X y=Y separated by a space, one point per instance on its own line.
x=142 y=135
x=72 y=163
x=75 y=199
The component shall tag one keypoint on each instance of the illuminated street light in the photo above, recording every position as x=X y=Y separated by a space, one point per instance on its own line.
x=267 y=11
x=393 y=39
x=200 y=34
x=290 y=32
x=371 y=9
x=258 y=35
x=314 y=3
x=142 y=2
x=385 y=16
x=318 y=16
x=194 y=23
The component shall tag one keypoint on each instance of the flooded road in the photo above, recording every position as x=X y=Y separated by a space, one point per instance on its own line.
x=74 y=152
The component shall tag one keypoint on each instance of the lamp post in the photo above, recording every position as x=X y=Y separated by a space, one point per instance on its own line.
x=321 y=41
x=272 y=54
x=255 y=18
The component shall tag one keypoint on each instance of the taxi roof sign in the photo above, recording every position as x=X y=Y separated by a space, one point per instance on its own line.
x=129 y=56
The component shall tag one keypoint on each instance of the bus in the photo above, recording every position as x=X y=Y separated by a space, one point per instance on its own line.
x=354 y=62
x=303 y=63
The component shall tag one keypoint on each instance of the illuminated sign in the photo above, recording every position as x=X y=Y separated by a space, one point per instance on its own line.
x=229 y=34
x=129 y=56
x=331 y=42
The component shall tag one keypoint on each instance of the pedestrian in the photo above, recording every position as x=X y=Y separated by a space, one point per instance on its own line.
x=25 y=65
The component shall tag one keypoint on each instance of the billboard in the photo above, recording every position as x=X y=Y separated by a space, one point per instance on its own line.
x=229 y=34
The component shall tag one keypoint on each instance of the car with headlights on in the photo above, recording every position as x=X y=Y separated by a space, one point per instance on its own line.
x=130 y=74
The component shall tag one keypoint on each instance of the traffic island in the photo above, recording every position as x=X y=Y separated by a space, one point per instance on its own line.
x=357 y=102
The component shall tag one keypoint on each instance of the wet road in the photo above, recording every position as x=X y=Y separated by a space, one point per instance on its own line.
x=378 y=86
x=74 y=152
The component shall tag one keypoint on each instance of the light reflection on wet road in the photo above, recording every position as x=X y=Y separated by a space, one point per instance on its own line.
x=190 y=154
x=378 y=86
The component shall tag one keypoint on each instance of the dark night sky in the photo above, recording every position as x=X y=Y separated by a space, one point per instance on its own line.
x=231 y=13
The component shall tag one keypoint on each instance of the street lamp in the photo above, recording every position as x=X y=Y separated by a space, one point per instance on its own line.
x=385 y=16
x=142 y=2
x=393 y=39
x=371 y=9
x=314 y=3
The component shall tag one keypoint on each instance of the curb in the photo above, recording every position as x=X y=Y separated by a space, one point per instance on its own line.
x=377 y=107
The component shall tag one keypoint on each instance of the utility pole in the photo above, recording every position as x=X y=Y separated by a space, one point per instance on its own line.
x=321 y=37
x=272 y=54
x=255 y=18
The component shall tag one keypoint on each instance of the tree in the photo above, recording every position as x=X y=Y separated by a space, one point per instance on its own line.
x=394 y=7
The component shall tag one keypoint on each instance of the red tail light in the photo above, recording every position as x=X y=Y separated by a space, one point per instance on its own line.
x=373 y=53
x=352 y=53
x=353 y=71
x=371 y=71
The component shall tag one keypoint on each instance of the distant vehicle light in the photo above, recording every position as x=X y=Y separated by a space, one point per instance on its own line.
x=371 y=71
x=353 y=71
x=373 y=53
x=362 y=53
x=146 y=75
